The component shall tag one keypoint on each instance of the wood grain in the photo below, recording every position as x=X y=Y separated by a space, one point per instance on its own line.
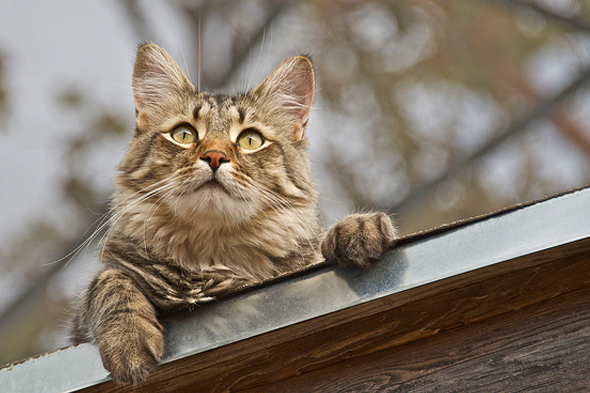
x=542 y=348
x=507 y=327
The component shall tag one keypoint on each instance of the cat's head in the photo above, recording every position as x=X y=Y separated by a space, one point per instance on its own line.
x=198 y=153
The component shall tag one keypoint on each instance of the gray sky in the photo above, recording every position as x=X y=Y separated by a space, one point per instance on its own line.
x=50 y=45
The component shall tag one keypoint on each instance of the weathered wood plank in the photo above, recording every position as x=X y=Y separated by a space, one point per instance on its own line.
x=544 y=347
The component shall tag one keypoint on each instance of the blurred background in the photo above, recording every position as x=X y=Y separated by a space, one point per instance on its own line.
x=433 y=111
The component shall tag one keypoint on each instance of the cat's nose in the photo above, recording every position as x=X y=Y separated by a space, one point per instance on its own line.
x=215 y=158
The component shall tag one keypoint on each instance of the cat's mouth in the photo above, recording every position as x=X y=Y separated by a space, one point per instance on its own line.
x=212 y=185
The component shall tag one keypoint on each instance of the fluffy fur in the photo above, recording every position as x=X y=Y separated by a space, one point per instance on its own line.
x=193 y=220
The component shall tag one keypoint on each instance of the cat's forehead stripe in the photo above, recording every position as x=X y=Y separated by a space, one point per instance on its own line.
x=196 y=112
x=241 y=114
x=219 y=100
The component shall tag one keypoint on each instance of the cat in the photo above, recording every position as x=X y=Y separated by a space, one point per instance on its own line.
x=213 y=194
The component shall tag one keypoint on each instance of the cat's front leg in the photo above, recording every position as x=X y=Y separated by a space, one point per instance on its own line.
x=358 y=239
x=121 y=320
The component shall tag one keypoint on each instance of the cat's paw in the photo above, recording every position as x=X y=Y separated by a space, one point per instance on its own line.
x=358 y=239
x=131 y=351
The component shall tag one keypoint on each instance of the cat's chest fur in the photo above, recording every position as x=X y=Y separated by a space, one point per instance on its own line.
x=188 y=247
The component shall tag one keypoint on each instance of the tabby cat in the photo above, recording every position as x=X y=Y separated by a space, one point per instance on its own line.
x=214 y=194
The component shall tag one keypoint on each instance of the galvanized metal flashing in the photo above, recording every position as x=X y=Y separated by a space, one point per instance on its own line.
x=418 y=260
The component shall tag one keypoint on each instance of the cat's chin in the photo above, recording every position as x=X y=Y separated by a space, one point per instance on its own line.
x=211 y=192
x=213 y=200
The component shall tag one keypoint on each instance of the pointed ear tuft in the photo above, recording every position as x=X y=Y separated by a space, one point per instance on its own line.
x=156 y=79
x=291 y=86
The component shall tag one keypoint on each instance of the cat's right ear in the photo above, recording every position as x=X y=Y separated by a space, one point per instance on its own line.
x=157 y=79
x=290 y=87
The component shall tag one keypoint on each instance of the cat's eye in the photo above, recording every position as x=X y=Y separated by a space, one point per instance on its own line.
x=184 y=134
x=250 y=139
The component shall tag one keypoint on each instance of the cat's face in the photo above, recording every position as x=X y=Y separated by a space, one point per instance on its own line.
x=228 y=157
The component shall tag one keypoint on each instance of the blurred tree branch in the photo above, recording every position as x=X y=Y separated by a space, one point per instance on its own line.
x=572 y=129
x=516 y=127
x=38 y=285
x=573 y=22
x=3 y=92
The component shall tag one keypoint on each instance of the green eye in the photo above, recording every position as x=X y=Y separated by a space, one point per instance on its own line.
x=250 y=139
x=184 y=134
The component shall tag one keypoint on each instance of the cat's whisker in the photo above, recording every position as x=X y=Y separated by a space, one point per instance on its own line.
x=249 y=82
x=200 y=51
x=151 y=211
x=84 y=245
x=282 y=206
x=114 y=219
x=103 y=221
x=177 y=198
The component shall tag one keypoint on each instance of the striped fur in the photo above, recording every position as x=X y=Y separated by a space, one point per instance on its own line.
x=184 y=229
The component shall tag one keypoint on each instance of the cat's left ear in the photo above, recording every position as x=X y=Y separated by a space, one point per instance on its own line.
x=157 y=79
x=291 y=87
